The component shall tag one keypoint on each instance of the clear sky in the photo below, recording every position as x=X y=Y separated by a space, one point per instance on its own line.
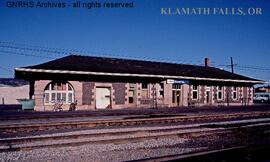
x=141 y=31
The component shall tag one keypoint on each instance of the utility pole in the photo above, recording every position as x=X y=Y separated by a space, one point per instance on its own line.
x=232 y=64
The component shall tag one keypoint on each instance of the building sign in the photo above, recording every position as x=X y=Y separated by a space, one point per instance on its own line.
x=171 y=81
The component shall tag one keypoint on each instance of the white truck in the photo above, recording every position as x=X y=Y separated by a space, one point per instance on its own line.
x=261 y=97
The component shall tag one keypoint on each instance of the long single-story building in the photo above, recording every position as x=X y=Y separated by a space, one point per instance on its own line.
x=11 y=90
x=112 y=83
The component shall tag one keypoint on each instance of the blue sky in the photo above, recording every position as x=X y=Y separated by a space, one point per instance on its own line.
x=141 y=32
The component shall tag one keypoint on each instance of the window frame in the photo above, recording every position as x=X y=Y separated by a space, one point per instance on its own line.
x=161 y=90
x=53 y=95
x=176 y=86
x=234 y=92
x=132 y=88
x=144 y=91
x=220 y=91
x=195 y=90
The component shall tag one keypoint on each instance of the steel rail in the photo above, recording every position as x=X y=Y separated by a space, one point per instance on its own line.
x=15 y=128
x=13 y=144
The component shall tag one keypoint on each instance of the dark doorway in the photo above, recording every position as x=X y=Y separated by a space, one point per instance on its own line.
x=176 y=97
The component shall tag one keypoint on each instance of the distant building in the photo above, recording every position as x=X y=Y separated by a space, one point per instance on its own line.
x=265 y=89
x=100 y=83
x=13 y=89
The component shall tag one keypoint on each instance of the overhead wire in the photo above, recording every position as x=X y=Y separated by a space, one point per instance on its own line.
x=43 y=52
x=5 y=69
x=64 y=52
x=25 y=54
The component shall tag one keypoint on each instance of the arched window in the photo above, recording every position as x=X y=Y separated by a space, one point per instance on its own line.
x=58 y=92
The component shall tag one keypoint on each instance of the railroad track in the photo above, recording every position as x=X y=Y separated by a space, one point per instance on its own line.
x=146 y=112
x=68 y=114
x=56 y=126
x=127 y=135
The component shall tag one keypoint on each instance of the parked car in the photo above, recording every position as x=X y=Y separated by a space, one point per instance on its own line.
x=261 y=97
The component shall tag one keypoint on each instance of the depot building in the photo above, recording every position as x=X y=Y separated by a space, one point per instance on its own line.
x=112 y=83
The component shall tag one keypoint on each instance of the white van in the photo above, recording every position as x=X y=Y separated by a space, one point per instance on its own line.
x=261 y=97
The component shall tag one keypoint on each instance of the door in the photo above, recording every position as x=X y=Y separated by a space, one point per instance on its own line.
x=103 y=98
x=207 y=97
x=176 y=97
x=131 y=95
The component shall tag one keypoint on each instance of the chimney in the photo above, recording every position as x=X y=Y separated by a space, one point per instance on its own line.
x=207 y=62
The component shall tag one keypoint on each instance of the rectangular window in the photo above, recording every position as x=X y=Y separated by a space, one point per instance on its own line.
x=219 y=92
x=69 y=97
x=144 y=90
x=234 y=92
x=58 y=97
x=53 y=97
x=194 y=95
x=161 y=90
x=176 y=86
x=131 y=96
x=194 y=92
x=64 y=98
x=47 y=97
x=220 y=95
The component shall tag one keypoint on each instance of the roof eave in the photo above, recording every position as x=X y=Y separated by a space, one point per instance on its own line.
x=136 y=75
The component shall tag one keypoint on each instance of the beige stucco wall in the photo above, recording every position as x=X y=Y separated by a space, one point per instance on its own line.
x=11 y=94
